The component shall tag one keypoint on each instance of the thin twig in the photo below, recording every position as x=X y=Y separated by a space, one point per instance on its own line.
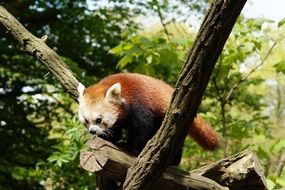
x=161 y=19
x=215 y=80
x=281 y=164
x=252 y=71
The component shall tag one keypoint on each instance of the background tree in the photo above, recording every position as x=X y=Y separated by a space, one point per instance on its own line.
x=235 y=100
x=35 y=110
x=38 y=132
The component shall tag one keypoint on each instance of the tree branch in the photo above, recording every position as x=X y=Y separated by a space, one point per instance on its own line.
x=211 y=38
x=214 y=78
x=37 y=48
x=187 y=96
x=241 y=171
x=281 y=164
x=158 y=9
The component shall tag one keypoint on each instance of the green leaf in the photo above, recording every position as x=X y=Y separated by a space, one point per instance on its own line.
x=278 y=146
x=145 y=40
x=211 y=115
x=281 y=22
x=256 y=80
x=134 y=51
x=259 y=22
x=149 y=59
x=181 y=41
x=52 y=158
x=124 y=61
x=270 y=184
x=257 y=44
x=59 y=163
x=126 y=33
x=117 y=50
x=280 y=182
x=280 y=66
x=262 y=153
x=146 y=69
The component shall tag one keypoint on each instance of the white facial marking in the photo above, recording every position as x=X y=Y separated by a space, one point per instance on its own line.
x=80 y=116
x=80 y=89
x=110 y=119
x=105 y=110
x=95 y=115
x=95 y=129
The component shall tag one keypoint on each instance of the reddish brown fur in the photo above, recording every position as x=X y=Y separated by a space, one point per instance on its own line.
x=154 y=93
x=203 y=133
x=146 y=88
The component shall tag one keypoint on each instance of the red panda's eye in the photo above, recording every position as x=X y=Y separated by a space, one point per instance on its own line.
x=86 y=121
x=98 y=120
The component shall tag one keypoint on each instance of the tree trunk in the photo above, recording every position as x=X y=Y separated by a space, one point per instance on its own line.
x=193 y=79
x=241 y=171
x=187 y=95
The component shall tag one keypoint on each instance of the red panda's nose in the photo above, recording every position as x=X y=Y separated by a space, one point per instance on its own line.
x=92 y=131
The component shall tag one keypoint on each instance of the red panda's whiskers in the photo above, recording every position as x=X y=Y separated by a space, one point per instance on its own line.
x=109 y=133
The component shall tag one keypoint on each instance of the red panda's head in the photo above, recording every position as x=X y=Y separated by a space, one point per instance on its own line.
x=99 y=108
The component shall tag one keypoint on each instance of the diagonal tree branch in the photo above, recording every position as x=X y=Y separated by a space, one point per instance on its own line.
x=187 y=96
x=37 y=48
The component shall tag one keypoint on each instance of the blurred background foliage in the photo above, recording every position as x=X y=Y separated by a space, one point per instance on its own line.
x=39 y=130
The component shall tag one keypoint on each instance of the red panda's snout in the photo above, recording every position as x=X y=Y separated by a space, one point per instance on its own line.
x=98 y=112
x=98 y=118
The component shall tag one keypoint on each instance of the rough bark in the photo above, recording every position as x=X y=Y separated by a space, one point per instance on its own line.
x=241 y=171
x=37 y=48
x=187 y=96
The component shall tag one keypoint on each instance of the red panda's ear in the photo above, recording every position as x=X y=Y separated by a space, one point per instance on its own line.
x=113 y=94
x=80 y=89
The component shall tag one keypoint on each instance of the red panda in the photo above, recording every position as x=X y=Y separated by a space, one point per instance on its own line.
x=137 y=103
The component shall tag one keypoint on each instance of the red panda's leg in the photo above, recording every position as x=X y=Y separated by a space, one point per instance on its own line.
x=177 y=158
x=106 y=183
x=139 y=143
x=138 y=137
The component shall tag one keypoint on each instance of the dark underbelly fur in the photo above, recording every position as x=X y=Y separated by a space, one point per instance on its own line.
x=141 y=125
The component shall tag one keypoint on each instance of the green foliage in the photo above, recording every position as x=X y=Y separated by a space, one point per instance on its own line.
x=61 y=170
x=32 y=103
x=240 y=108
x=231 y=101
x=40 y=136
x=280 y=66
x=155 y=55
x=272 y=153
x=281 y=22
